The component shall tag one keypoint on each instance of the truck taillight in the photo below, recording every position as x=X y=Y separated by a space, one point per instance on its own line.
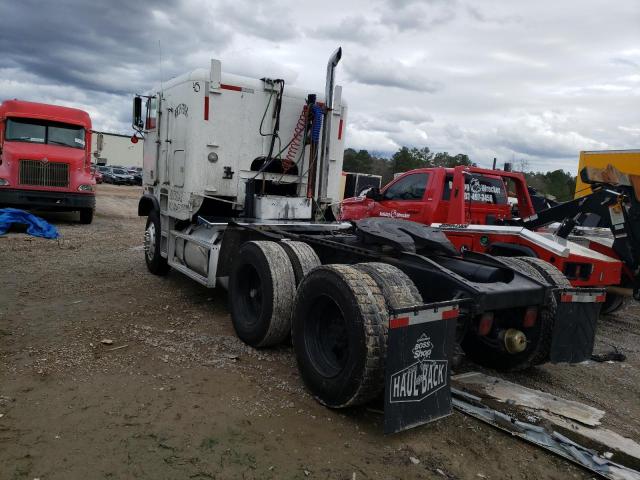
x=530 y=317
x=486 y=322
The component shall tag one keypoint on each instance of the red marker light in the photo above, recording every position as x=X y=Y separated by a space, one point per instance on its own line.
x=530 y=317
x=134 y=139
x=486 y=322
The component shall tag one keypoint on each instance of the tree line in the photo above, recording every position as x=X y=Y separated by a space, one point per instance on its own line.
x=403 y=160
x=558 y=184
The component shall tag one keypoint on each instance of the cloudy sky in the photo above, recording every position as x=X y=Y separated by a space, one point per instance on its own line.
x=519 y=80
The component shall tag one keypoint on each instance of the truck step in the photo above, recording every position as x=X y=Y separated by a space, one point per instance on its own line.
x=189 y=273
x=191 y=239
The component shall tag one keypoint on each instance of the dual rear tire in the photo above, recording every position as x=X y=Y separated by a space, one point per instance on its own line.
x=340 y=324
x=262 y=288
x=337 y=315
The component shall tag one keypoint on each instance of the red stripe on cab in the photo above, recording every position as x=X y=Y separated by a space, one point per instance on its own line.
x=235 y=88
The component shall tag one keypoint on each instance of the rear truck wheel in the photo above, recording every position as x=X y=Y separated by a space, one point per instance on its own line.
x=303 y=258
x=86 y=216
x=510 y=344
x=612 y=303
x=262 y=289
x=397 y=288
x=550 y=272
x=156 y=263
x=339 y=326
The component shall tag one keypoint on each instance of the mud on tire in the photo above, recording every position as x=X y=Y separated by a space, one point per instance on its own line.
x=261 y=293
x=398 y=289
x=303 y=258
x=339 y=328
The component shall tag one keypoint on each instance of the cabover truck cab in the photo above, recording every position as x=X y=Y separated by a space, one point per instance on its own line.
x=472 y=206
x=237 y=173
x=45 y=158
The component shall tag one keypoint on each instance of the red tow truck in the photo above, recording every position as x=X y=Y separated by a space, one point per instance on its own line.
x=45 y=158
x=481 y=210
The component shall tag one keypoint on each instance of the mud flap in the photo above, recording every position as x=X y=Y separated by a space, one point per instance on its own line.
x=418 y=369
x=574 y=329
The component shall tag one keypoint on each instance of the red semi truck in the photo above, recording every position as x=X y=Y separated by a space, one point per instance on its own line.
x=45 y=158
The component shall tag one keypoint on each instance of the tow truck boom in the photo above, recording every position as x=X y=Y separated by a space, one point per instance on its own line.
x=613 y=204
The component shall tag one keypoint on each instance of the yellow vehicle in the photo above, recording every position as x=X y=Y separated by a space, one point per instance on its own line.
x=627 y=161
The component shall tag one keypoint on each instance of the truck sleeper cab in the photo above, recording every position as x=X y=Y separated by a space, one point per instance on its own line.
x=45 y=160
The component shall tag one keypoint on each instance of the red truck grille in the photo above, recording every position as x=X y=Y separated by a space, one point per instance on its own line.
x=44 y=174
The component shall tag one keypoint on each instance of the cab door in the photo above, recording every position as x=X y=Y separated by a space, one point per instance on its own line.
x=404 y=198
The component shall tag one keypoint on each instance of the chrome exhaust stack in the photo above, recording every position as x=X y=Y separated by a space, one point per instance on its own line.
x=326 y=127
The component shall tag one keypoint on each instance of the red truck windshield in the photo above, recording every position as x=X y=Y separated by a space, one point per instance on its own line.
x=42 y=131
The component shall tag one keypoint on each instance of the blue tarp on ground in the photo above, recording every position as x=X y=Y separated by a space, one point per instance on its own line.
x=36 y=226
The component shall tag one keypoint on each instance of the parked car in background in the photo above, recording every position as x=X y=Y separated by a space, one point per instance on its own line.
x=98 y=175
x=118 y=176
x=137 y=174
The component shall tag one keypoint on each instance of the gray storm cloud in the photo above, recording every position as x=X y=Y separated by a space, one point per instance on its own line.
x=533 y=80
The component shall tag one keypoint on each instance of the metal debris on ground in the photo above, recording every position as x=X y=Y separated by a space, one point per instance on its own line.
x=561 y=426
x=612 y=356
x=514 y=394
x=117 y=348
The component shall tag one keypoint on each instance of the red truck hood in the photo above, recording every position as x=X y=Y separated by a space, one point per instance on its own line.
x=35 y=151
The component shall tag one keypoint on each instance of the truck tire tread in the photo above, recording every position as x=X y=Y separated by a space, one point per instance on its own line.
x=303 y=258
x=398 y=289
x=272 y=264
x=370 y=318
x=550 y=272
x=547 y=314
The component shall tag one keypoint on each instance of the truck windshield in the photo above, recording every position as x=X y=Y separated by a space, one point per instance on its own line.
x=42 y=131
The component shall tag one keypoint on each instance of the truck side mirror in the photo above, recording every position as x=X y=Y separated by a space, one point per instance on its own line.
x=374 y=194
x=137 y=113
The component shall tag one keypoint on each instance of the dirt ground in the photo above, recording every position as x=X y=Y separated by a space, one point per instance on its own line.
x=184 y=398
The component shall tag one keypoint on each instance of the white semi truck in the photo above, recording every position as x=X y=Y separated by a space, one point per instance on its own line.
x=239 y=175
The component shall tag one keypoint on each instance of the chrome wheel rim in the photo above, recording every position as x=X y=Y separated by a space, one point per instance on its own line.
x=150 y=241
